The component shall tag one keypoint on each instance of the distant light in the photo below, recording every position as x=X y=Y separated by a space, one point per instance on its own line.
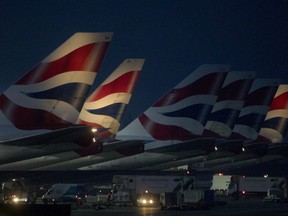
x=216 y=149
x=94 y=130
x=15 y=200
x=243 y=149
x=94 y=139
x=266 y=176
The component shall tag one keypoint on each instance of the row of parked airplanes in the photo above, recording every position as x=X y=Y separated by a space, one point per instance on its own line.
x=213 y=117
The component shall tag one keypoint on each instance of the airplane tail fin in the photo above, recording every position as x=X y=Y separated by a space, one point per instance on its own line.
x=51 y=95
x=275 y=125
x=183 y=111
x=105 y=106
x=230 y=100
x=252 y=115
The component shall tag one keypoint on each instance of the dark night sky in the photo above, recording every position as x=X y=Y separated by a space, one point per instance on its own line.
x=174 y=36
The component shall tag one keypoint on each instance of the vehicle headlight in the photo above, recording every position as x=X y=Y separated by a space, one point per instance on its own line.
x=15 y=200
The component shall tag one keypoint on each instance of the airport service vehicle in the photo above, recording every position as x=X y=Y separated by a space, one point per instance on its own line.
x=99 y=196
x=220 y=184
x=146 y=199
x=245 y=186
x=14 y=191
x=188 y=199
x=65 y=193
x=128 y=189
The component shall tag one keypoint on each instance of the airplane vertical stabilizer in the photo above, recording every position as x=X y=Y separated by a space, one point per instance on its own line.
x=102 y=109
x=105 y=106
x=230 y=100
x=275 y=125
x=255 y=109
x=50 y=96
x=182 y=112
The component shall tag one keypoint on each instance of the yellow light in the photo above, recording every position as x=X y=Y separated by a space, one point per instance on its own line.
x=15 y=200
x=94 y=130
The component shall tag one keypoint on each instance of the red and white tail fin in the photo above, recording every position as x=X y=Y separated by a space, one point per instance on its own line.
x=182 y=112
x=105 y=106
x=252 y=115
x=51 y=95
x=275 y=125
x=230 y=100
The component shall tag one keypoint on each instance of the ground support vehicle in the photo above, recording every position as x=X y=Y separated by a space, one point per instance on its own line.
x=14 y=191
x=189 y=199
x=99 y=196
x=243 y=186
x=128 y=189
x=73 y=194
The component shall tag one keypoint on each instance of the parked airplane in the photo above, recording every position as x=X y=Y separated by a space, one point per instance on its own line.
x=102 y=109
x=171 y=123
x=39 y=111
x=249 y=124
x=221 y=120
x=270 y=142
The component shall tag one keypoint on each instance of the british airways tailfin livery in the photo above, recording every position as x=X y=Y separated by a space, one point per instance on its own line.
x=270 y=143
x=231 y=99
x=41 y=106
x=255 y=109
x=105 y=106
x=249 y=124
x=275 y=125
x=102 y=109
x=176 y=118
x=182 y=112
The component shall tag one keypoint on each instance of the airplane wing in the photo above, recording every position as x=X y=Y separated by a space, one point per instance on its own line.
x=70 y=134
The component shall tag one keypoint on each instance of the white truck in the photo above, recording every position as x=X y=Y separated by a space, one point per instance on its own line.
x=220 y=184
x=245 y=186
x=130 y=188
